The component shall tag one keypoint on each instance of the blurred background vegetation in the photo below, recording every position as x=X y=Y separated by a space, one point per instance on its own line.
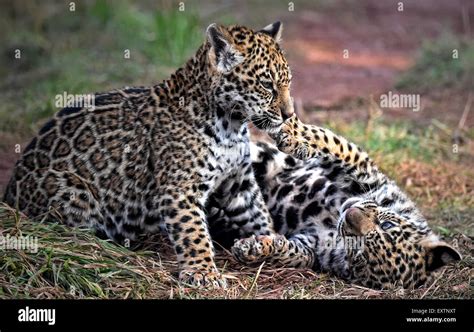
x=82 y=51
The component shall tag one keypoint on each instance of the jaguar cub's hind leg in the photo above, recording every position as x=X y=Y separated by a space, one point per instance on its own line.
x=275 y=249
x=237 y=210
x=247 y=211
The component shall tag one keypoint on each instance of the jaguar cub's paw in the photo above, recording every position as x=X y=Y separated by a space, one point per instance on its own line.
x=290 y=140
x=202 y=278
x=256 y=249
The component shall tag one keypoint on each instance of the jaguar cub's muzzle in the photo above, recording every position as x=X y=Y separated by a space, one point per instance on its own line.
x=356 y=219
x=287 y=109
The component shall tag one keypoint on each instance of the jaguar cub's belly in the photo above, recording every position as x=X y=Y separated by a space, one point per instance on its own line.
x=306 y=200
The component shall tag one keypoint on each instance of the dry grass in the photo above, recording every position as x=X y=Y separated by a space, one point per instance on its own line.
x=77 y=264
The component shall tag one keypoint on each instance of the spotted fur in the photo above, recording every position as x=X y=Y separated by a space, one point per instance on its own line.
x=339 y=213
x=146 y=158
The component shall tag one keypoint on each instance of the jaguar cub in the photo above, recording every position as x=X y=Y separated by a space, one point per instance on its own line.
x=339 y=213
x=151 y=157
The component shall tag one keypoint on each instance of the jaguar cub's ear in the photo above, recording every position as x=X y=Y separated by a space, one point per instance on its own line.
x=274 y=30
x=224 y=55
x=438 y=254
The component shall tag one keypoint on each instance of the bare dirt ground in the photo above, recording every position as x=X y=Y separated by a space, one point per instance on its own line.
x=378 y=52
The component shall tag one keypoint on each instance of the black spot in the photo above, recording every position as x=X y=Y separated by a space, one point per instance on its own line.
x=316 y=187
x=402 y=268
x=277 y=220
x=185 y=219
x=211 y=133
x=135 y=90
x=134 y=213
x=50 y=124
x=300 y=198
x=220 y=112
x=290 y=161
x=245 y=185
x=132 y=229
x=284 y=191
x=186 y=242
x=386 y=202
x=332 y=188
x=236 y=116
x=234 y=188
x=31 y=145
x=302 y=179
x=203 y=187
x=237 y=211
x=292 y=217
x=334 y=173
x=313 y=209
x=357 y=188
x=69 y=110
x=151 y=220
x=225 y=124
x=327 y=222
x=172 y=213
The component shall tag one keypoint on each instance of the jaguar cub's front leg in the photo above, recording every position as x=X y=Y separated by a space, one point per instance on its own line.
x=308 y=141
x=186 y=225
x=274 y=249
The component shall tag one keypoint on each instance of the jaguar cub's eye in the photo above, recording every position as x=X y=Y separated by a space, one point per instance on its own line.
x=267 y=85
x=387 y=225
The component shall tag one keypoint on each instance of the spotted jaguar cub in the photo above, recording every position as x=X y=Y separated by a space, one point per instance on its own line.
x=339 y=213
x=151 y=157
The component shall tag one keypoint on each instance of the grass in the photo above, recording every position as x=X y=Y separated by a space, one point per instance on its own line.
x=80 y=52
x=73 y=263
x=400 y=140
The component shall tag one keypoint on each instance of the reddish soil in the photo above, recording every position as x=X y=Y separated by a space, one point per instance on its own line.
x=382 y=43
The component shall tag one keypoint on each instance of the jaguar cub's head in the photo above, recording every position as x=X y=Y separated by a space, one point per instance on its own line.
x=392 y=248
x=251 y=77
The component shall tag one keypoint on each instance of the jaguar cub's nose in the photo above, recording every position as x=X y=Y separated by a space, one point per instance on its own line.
x=354 y=215
x=355 y=219
x=286 y=112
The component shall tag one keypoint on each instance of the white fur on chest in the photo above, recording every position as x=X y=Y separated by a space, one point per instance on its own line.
x=228 y=153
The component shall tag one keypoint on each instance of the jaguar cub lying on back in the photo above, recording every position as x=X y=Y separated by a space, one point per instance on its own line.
x=339 y=213
x=144 y=158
